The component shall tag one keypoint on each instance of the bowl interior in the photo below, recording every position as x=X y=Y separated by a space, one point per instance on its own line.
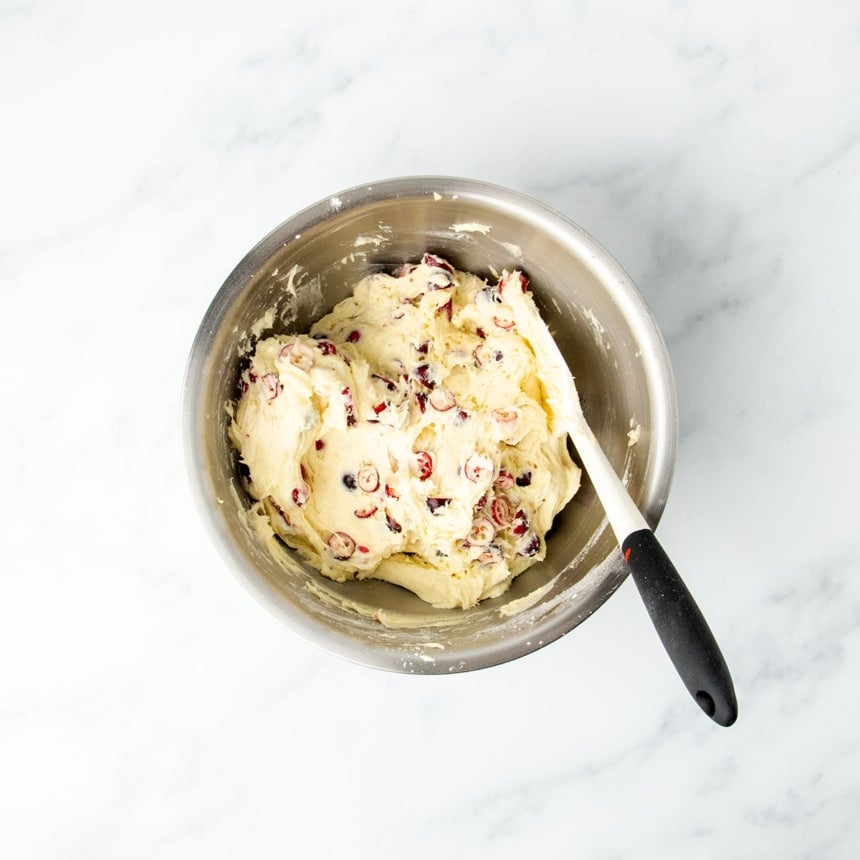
x=311 y=262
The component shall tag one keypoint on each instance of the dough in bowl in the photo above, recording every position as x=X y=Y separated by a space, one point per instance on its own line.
x=411 y=435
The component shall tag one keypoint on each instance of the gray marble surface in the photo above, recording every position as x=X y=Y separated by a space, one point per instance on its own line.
x=148 y=707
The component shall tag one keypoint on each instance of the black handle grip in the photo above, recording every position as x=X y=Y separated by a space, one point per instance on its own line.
x=681 y=626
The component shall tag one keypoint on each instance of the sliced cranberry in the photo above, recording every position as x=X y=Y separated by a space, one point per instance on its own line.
x=505 y=323
x=447 y=309
x=479 y=353
x=363 y=549
x=368 y=478
x=319 y=444
x=461 y=417
x=423 y=465
x=435 y=504
x=481 y=502
x=354 y=336
x=521 y=523
x=439 y=280
x=391 y=491
x=390 y=384
x=437 y=262
x=350 y=407
x=281 y=512
x=380 y=407
x=500 y=510
x=423 y=348
x=422 y=374
x=506 y=416
x=524 y=480
x=504 y=481
x=301 y=494
x=342 y=546
x=441 y=399
x=482 y=533
x=392 y=524
x=478 y=468
x=349 y=481
x=480 y=332
x=509 y=279
x=422 y=401
x=327 y=347
x=271 y=385
x=303 y=470
x=365 y=512
x=530 y=545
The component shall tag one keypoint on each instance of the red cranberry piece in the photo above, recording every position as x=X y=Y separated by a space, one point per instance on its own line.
x=350 y=407
x=301 y=494
x=441 y=399
x=439 y=280
x=480 y=332
x=505 y=323
x=423 y=348
x=521 y=523
x=319 y=444
x=422 y=401
x=365 y=512
x=461 y=417
x=281 y=512
x=380 y=407
x=363 y=549
x=423 y=465
x=505 y=480
x=422 y=374
x=271 y=385
x=478 y=468
x=435 y=504
x=391 y=491
x=512 y=278
x=368 y=478
x=530 y=545
x=437 y=262
x=479 y=353
x=482 y=533
x=447 y=309
x=392 y=524
x=524 y=480
x=354 y=336
x=500 y=510
x=327 y=347
x=390 y=384
x=342 y=546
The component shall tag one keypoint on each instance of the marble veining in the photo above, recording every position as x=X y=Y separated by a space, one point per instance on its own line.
x=148 y=707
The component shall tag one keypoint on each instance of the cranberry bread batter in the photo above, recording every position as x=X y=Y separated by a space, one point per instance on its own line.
x=411 y=436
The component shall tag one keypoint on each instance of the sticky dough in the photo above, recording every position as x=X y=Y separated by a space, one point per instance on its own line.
x=411 y=436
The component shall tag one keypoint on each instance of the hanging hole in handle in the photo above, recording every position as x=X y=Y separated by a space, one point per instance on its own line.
x=706 y=702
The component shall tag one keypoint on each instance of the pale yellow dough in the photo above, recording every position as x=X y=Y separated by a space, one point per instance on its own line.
x=411 y=437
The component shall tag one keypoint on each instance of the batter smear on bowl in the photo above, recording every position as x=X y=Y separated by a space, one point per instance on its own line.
x=410 y=437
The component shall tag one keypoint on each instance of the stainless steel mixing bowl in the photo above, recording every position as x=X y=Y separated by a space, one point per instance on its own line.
x=611 y=342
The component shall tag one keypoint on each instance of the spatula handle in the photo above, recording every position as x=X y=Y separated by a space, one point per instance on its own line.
x=681 y=626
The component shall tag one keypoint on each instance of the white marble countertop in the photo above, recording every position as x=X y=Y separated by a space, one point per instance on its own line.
x=148 y=707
